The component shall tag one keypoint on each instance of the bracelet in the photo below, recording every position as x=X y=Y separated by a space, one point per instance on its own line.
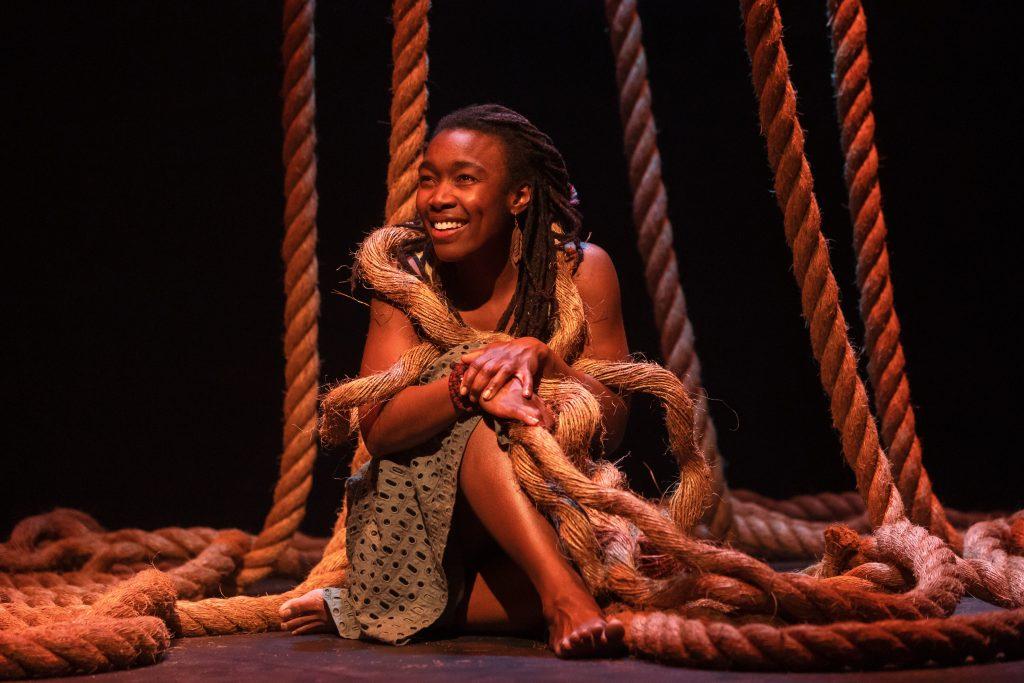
x=463 y=406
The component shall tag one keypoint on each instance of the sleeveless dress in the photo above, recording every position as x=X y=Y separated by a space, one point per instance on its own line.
x=400 y=579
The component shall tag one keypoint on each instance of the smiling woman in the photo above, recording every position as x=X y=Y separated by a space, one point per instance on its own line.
x=496 y=223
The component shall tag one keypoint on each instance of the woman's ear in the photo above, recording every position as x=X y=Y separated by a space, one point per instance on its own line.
x=520 y=198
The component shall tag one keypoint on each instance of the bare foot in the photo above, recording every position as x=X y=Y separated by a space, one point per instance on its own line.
x=577 y=628
x=306 y=614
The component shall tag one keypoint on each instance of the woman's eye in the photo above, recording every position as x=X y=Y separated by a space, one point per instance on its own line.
x=465 y=178
x=425 y=180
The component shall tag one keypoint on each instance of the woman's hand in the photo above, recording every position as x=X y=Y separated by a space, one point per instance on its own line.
x=508 y=402
x=491 y=368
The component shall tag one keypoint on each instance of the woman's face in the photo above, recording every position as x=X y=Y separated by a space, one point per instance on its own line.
x=464 y=198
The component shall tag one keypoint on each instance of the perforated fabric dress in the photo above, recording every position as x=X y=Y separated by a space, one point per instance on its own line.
x=400 y=579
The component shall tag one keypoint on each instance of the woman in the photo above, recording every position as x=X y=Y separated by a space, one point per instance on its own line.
x=495 y=203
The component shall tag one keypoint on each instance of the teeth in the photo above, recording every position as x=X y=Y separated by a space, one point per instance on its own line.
x=448 y=225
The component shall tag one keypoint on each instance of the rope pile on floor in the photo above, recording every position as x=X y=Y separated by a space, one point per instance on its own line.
x=893 y=563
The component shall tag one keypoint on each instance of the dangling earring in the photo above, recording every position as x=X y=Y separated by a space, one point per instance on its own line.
x=516 y=250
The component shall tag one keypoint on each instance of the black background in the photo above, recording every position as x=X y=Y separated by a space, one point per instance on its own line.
x=144 y=283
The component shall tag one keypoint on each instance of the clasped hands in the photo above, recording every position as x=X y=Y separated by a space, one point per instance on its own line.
x=502 y=379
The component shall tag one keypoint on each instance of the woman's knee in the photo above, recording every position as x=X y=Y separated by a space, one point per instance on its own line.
x=483 y=439
x=484 y=457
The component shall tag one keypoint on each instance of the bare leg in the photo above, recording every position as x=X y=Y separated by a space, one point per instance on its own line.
x=515 y=590
x=576 y=625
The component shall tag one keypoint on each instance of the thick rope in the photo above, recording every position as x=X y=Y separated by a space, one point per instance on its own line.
x=408 y=107
x=722 y=645
x=655 y=237
x=302 y=305
x=886 y=362
x=629 y=550
x=794 y=192
x=843 y=507
x=719 y=606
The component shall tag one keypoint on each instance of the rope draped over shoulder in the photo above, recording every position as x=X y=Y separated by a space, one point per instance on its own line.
x=641 y=557
x=76 y=598
x=441 y=331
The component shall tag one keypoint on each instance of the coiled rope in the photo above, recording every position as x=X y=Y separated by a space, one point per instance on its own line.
x=66 y=605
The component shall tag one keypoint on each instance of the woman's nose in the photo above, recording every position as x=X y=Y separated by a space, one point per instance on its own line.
x=442 y=197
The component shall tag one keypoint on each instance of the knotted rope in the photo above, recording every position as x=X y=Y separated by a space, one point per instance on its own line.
x=886 y=362
x=302 y=305
x=655 y=237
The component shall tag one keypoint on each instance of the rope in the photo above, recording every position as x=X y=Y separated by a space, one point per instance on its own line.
x=886 y=362
x=630 y=551
x=720 y=645
x=654 y=237
x=819 y=293
x=876 y=600
x=408 y=106
x=302 y=305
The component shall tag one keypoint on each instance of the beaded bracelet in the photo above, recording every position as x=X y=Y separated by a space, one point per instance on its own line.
x=463 y=406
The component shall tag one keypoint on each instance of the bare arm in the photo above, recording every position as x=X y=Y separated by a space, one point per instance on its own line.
x=416 y=413
x=527 y=359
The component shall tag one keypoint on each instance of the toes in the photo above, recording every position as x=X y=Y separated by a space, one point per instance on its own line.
x=317 y=627
x=299 y=622
x=285 y=610
x=614 y=631
x=592 y=638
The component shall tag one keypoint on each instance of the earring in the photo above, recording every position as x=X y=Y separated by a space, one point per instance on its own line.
x=516 y=249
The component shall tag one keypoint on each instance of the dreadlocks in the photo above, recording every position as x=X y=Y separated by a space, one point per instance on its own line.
x=549 y=223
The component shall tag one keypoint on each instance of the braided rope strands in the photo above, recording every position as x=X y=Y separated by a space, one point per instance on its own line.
x=638 y=552
x=302 y=306
x=72 y=602
x=408 y=106
x=76 y=598
x=819 y=292
x=631 y=552
x=654 y=236
x=675 y=639
x=408 y=126
x=886 y=362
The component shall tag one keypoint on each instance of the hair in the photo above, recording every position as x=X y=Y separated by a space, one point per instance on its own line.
x=549 y=223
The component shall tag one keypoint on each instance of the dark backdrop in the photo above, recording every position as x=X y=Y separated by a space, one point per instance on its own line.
x=144 y=282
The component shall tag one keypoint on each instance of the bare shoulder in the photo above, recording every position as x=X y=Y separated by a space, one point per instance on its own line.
x=596 y=274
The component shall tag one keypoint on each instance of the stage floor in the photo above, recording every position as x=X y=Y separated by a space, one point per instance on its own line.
x=282 y=657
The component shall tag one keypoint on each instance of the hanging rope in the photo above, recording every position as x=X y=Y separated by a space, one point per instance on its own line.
x=302 y=305
x=669 y=587
x=408 y=107
x=819 y=293
x=654 y=236
x=71 y=602
x=886 y=362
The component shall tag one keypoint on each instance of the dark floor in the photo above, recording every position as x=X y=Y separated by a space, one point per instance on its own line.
x=282 y=657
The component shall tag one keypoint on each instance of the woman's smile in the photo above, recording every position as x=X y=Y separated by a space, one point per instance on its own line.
x=446 y=229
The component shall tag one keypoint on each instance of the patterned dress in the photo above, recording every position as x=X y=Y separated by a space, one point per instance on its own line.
x=400 y=579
